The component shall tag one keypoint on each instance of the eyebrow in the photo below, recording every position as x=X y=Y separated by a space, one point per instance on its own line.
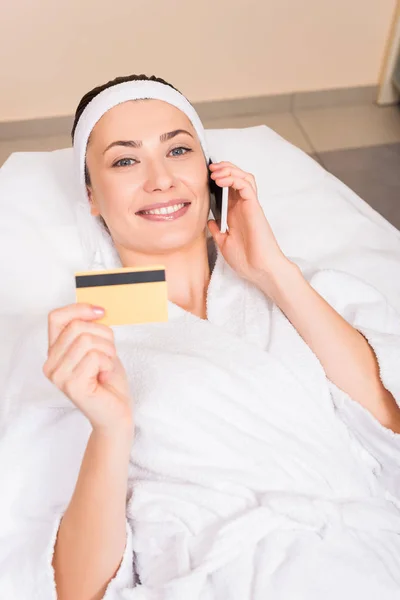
x=138 y=143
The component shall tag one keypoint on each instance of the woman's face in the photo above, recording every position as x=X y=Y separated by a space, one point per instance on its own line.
x=141 y=153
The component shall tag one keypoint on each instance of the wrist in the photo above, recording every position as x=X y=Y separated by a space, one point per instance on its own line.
x=278 y=280
x=123 y=430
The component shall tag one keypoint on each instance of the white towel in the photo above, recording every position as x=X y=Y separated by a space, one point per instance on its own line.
x=252 y=476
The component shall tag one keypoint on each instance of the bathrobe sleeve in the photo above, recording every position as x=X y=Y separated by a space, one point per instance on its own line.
x=41 y=451
x=370 y=312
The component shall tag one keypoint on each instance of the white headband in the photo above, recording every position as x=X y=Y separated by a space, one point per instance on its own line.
x=123 y=92
x=100 y=250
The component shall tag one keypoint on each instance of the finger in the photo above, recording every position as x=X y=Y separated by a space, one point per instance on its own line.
x=60 y=317
x=73 y=330
x=218 y=236
x=83 y=382
x=235 y=172
x=222 y=163
x=241 y=185
x=58 y=370
x=226 y=164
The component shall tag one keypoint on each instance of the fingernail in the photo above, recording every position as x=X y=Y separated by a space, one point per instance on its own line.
x=98 y=310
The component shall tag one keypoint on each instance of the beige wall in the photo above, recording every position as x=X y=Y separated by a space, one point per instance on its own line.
x=53 y=51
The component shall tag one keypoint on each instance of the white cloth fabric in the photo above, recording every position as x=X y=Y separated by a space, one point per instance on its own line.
x=251 y=476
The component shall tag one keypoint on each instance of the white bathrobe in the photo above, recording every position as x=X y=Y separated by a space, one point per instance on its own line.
x=252 y=476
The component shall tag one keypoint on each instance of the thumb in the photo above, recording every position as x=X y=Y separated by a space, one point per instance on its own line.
x=215 y=232
x=114 y=380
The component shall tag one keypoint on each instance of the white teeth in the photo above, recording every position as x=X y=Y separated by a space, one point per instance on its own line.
x=164 y=211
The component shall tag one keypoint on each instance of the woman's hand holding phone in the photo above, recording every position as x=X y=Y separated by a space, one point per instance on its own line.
x=249 y=247
x=83 y=363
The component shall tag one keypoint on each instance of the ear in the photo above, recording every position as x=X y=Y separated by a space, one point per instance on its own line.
x=93 y=207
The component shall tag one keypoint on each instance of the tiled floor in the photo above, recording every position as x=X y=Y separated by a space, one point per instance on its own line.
x=283 y=123
x=373 y=173
x=350 y=126
x=326 y=129
x=360 y=144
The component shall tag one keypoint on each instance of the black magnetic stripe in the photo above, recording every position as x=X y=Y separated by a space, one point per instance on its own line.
x=119 y=278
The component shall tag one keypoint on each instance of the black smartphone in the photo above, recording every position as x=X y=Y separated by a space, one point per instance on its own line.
x=215 y=198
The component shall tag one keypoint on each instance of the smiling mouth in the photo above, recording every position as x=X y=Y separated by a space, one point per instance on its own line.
x=170 y=210
x=165 y=214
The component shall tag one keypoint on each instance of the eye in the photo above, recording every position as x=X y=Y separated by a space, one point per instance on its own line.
x=124 y=162
x=181 y=150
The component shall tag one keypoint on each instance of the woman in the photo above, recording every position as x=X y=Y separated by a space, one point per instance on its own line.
x=216 y=465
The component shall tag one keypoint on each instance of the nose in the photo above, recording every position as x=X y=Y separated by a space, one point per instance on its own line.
x=158 y=177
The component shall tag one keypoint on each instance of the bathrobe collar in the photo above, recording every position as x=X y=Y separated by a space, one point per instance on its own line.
x=232 y=303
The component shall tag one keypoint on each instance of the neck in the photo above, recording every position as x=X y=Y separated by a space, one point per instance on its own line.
x=187 y=272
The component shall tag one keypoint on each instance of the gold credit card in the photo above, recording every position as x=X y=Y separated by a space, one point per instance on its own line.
x=128 y=295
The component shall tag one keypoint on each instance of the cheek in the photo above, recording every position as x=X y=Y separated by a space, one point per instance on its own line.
x=204 y=190
x=114 y=190
x=197 y=181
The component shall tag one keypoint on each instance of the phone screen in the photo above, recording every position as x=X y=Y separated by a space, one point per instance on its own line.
x=215 y=198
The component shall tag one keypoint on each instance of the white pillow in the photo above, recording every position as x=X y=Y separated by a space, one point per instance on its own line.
x=313 y=215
